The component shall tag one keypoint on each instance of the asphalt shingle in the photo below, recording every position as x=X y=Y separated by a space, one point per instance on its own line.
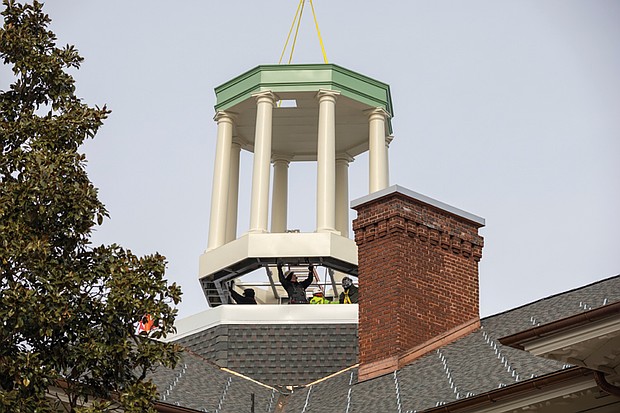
x=474 y=364
x=278 y=355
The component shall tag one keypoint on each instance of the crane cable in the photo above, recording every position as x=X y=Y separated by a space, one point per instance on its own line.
x=318 y=32
x=297 y=20
x=301 y=12
x=290 y=31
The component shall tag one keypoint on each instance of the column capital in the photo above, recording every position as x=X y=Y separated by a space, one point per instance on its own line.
x=222 y=116
x=280 y=157
x=266 y=96
x=344 y=157
x=238 y=140
x=236 y=144
x=323 y=94
x=377 y=113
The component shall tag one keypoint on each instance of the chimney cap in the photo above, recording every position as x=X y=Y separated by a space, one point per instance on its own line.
x=421 y=198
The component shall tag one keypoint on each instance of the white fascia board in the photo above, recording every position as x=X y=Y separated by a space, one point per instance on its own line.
x=278 y=245
x=223 y=257
x=543 y=395
x=318 y=244
x=562 y=339
x=265 y=314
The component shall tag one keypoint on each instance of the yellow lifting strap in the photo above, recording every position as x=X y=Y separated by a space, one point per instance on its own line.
x=297 y=22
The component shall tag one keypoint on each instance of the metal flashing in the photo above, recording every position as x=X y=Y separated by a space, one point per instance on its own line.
x=418 y=197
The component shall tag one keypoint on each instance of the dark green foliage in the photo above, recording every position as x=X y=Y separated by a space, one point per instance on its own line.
x=67 y=309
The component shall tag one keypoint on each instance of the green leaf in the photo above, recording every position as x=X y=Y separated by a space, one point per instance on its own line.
x=68 y=309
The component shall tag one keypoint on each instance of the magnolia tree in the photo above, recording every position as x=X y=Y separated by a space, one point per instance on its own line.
x=68 y=309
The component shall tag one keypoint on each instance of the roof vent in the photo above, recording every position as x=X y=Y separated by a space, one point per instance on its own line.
x=286 y=103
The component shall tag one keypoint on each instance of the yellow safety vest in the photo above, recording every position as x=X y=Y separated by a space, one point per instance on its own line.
x=319 y=300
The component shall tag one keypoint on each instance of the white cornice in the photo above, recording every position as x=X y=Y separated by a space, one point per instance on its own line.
x=563 y=339
x=264 y=314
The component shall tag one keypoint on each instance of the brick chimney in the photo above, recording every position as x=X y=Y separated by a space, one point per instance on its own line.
x=418 y=277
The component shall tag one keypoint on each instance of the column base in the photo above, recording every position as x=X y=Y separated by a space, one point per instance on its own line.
x=329 y=230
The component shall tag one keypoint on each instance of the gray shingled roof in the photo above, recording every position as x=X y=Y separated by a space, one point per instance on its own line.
x=278 y=355
x=198 y=384
x=474 y=364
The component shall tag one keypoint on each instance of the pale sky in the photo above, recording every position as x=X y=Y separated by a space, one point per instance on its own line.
x=509 y=110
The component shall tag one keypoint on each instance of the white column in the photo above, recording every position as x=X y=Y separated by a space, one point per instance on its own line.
x=326 y=163
x=221 y=176
x=342 y=194
x=233 y=192
x=388 y=140
x=378 y=171
x=279 y=202
x=259 y=205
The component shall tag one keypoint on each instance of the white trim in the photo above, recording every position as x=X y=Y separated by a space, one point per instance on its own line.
x=278 y=245
x=539 y=397
x=560 y=340
x=419 y=197
x=264 y=314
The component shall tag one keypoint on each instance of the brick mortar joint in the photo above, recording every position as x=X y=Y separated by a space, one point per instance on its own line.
x=390 y=225
x=398 y=203
x=405 y=213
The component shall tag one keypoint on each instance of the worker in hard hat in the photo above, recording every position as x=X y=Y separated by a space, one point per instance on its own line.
x=296 y=290
x=318 y=298
x=248 y=297
x=350 y=294
x=146 y=324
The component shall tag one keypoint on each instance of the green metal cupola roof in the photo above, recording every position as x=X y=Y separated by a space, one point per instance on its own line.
x=295 y=121
x=304 y=78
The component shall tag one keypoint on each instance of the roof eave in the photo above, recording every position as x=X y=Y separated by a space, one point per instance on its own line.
x=521 y=394
x=518 y=340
